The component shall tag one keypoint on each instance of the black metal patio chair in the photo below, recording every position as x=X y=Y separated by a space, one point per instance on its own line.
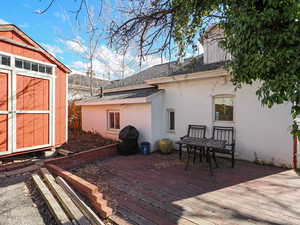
x=227 y=134
x=194 y=131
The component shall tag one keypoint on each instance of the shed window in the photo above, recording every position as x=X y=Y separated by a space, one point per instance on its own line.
x=48 y=69
x=113 y=120
x=42 y=68
x=28 y=65
x=19 y=63
x=223 y=107
x=5 y=60
x=34 y=67
x=171 y=119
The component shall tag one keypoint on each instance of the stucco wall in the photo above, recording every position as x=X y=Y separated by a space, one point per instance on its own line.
x=138 y=115
x=157 y=119
x=259 y=131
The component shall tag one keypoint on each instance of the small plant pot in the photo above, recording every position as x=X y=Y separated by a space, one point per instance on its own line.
x=165 y=146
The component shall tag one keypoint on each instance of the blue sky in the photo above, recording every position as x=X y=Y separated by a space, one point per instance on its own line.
x=54 y=30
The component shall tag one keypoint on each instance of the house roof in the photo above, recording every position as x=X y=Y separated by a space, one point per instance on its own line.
x=31 y=44
x=131 y=96
x=189 y=65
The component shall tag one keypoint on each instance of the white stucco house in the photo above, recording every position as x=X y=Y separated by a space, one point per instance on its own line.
x=163 y=100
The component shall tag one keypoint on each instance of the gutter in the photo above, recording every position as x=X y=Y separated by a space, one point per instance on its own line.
x=147 y=99
x=114 y=101
x=127 y=88
x=189 y=76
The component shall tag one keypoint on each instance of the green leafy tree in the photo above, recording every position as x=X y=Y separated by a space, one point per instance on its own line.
x=263 y=37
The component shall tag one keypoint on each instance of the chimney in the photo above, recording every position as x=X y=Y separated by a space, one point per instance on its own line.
x=213 y=53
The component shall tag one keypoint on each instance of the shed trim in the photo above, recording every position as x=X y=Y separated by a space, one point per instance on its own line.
x=19 y=44
x=28 y=59
x=14 y=28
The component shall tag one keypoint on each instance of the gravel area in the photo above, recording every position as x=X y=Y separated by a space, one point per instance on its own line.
x=16 y=205
x=39 y=203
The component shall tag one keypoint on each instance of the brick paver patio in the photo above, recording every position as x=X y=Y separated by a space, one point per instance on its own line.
x=155 y=189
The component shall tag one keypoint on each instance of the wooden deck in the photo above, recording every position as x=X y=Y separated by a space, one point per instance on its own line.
x=155 y=189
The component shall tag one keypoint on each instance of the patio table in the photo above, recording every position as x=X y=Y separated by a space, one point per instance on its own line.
x=209 y=144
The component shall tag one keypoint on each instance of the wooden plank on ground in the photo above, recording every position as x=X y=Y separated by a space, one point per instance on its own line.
x=85 y=209
x=64 y=152
x=67 y=203
x=58 y=213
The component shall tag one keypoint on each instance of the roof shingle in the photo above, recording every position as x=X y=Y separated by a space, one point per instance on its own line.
x=190 y=65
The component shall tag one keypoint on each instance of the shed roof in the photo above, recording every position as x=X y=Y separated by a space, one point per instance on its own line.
x=31 y=44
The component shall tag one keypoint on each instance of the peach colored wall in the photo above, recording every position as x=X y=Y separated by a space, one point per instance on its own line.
x=138 y=115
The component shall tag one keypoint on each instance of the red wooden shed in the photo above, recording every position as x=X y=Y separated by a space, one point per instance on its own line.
x=33 y=95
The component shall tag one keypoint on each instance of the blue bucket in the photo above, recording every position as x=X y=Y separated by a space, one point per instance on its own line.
x=145 y=148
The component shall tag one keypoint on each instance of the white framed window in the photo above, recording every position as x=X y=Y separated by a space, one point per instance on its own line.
x=171 y=120
x=28 y=65
x=223 y=107
x=113 y=118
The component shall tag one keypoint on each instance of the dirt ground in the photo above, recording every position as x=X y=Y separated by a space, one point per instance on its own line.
x=81 y=141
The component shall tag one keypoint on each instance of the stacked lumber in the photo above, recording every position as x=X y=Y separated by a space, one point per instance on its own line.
x=66 y=207
x=90 y=191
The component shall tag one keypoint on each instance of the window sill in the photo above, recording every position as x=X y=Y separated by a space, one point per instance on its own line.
x=112 y=131
x=171 y=131
x=223 y=121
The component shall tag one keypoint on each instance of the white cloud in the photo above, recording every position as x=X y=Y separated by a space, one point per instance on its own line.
x=108 y=64
x=62 y=15
x=75 y=45
x=2 y=21
x=53 y=49
x=24 y=25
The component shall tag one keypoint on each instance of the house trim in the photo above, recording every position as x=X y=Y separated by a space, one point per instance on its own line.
x=131 y=87
x=115 y=101
x=189 y=76
x=147 y=99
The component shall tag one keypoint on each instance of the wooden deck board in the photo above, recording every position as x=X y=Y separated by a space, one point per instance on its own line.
x=158 y=185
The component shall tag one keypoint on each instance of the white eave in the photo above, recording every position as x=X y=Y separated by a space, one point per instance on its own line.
x=189 y=76
x=139 y=100
x=126 y=88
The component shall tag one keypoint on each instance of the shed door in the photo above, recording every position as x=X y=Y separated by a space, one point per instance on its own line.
x=32 y=113
x=4 y=111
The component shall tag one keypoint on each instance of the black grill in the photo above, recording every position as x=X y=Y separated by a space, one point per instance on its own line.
x=129 y=141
